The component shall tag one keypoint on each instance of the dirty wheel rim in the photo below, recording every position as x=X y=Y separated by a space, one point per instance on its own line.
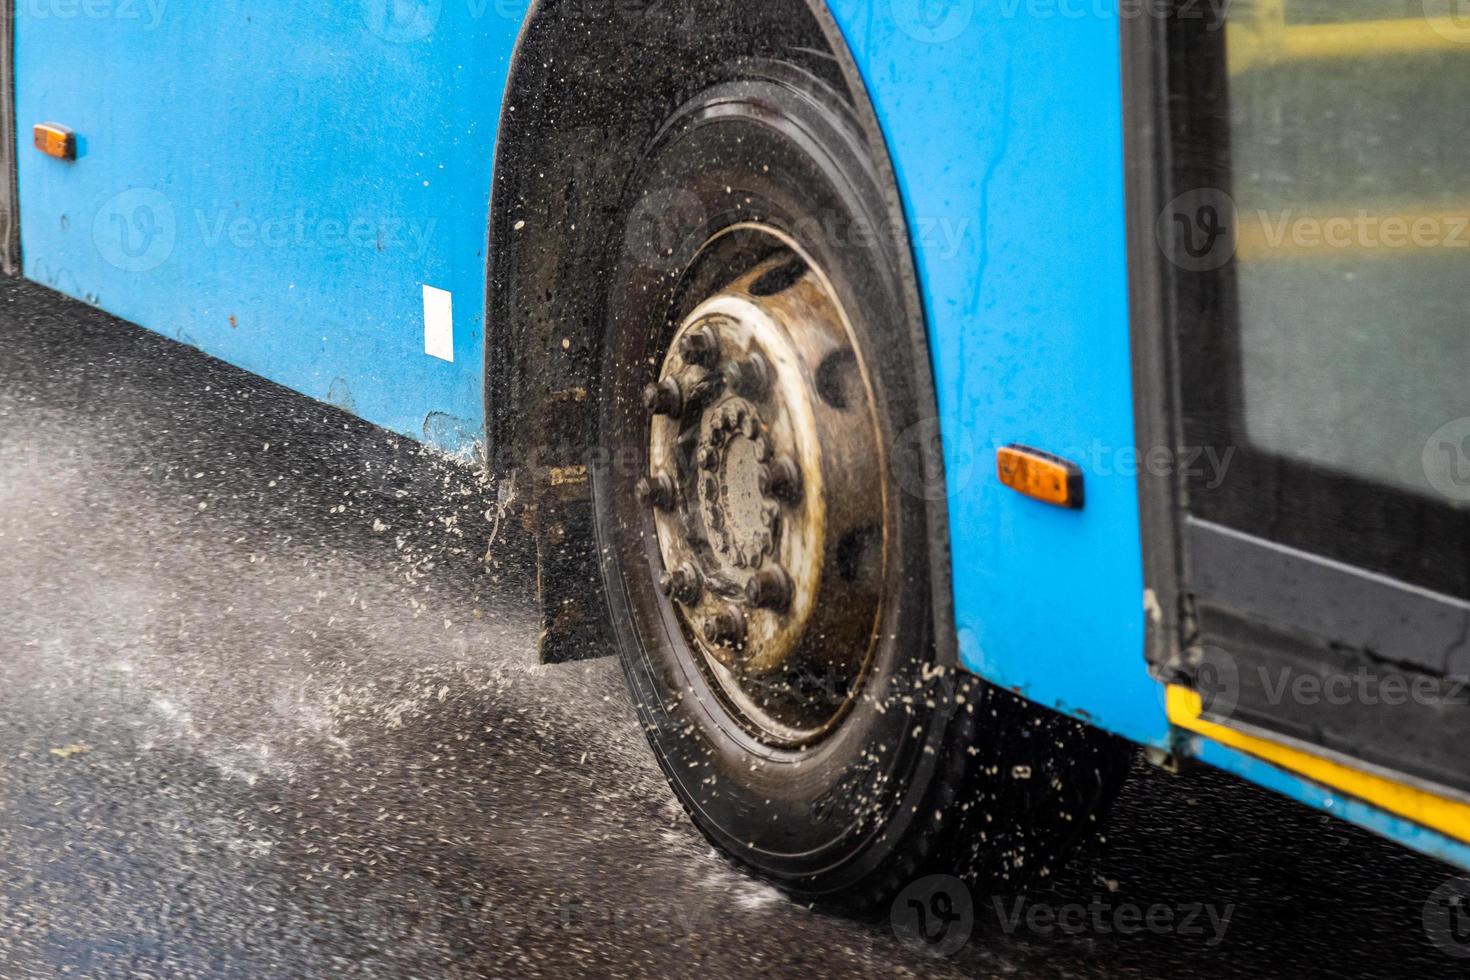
x=766 y=483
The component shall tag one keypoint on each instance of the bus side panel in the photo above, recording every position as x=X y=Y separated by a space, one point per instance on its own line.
x=276 y=183
x=1004 y=122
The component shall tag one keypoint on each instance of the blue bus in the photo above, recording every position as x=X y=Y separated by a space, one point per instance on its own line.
x=930 y=403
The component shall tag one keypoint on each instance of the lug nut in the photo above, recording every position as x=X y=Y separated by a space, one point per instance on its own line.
x=684 y=584
x=781 y=480
x=750 y=376
x=704 y=390
x=656 y=491
x=769 y=588
x=700 y=346
x=726 y=628
x=664 y=398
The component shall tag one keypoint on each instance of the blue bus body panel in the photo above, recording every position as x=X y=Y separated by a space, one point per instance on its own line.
x=276 y=183
x=1007 y=135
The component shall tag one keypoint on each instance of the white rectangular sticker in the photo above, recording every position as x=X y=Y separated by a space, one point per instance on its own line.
x=439 y=324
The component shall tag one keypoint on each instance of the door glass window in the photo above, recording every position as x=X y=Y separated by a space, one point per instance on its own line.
x=1349 y=136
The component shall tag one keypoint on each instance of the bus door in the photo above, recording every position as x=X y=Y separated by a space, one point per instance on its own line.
x=1315 y=227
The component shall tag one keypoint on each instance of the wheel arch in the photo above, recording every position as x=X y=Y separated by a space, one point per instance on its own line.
x=582 y=100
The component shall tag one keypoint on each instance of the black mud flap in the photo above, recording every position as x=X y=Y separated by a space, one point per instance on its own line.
x=574 y=618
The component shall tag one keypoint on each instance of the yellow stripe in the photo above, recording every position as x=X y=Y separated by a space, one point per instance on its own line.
x=1251 y=45
x=1448 y=816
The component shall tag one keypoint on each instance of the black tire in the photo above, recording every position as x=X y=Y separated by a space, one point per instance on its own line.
x=930 y=769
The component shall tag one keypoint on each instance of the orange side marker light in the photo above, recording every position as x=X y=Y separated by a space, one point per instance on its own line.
x=56 y=140
x=1040 y=475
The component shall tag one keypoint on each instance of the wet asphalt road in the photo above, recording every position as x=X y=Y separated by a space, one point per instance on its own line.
x=265 y=712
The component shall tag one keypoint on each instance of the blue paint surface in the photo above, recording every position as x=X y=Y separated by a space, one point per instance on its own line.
x=1005 y=124
x=274 y=183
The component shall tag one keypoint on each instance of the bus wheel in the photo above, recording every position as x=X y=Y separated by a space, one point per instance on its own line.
x=766 y=534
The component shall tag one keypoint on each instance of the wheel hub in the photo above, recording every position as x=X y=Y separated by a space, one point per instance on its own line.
x=743 y=523
x=765 y=485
